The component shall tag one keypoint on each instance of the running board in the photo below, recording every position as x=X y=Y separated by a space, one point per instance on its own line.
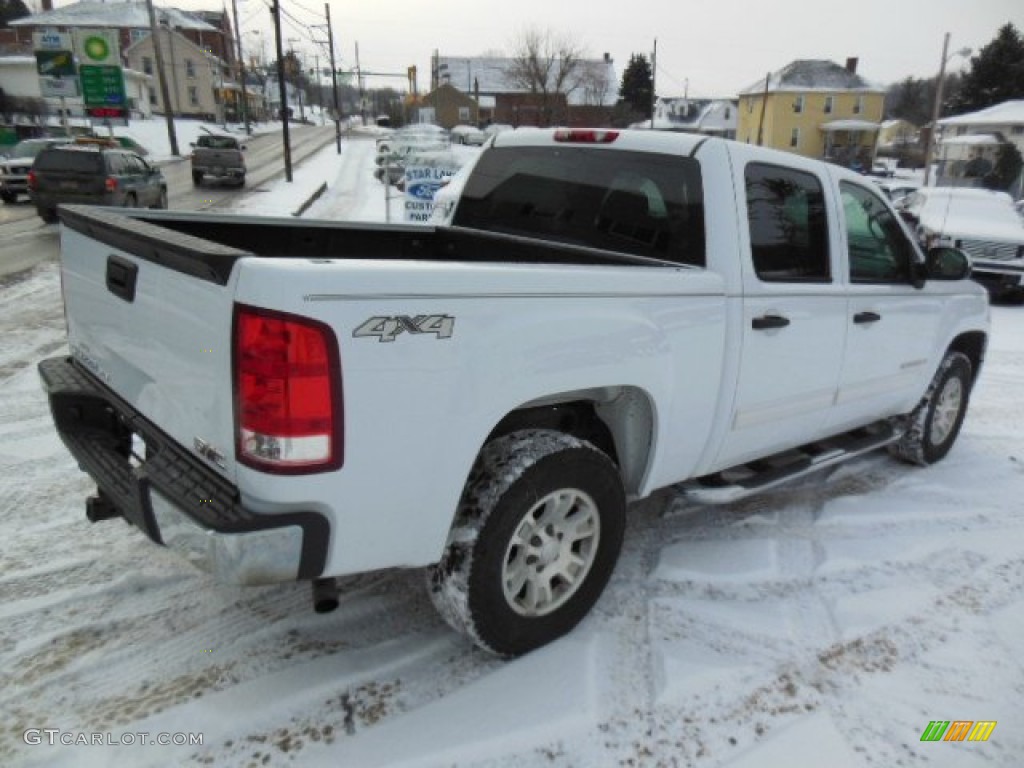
x=747 y=479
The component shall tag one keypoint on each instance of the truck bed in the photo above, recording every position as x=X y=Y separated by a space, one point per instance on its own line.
x=207 y=246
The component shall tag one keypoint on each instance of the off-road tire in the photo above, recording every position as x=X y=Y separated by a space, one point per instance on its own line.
x=934 y=424
x=540 y=506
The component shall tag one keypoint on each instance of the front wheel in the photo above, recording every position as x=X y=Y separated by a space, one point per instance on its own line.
x=535 y=540
x=197 y=178
x=934 y=425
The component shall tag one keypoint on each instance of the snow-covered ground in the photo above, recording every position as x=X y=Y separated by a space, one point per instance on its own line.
x=820 y=625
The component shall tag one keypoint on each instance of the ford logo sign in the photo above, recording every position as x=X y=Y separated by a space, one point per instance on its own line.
x=422 y=190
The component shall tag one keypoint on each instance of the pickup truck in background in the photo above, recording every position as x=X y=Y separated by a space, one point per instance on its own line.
x=981 y=222
x=217 y=156
x=609 y=313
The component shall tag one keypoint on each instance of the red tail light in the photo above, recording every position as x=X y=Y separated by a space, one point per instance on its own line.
x=110 y=184
x=33 y=182
x=288 y=406
x=585 y=136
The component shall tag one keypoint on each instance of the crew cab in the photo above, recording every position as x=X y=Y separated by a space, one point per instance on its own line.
x=609 y=313
x=217 y=156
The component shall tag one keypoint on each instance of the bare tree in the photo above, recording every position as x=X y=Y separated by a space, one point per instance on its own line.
x=593 y=80
x=544 y=63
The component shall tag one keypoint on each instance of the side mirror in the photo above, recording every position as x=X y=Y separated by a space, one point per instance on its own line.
x=243 y=147
x=946 y=263
x=192 y=144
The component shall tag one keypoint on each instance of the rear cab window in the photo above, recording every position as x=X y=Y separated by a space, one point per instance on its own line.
x=639 y=203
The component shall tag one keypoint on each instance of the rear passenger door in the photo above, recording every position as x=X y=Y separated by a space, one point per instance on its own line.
x=794 y=315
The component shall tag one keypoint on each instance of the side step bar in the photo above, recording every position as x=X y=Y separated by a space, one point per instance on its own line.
x=747 y=479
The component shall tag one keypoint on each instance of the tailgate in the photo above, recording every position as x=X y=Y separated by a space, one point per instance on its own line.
x=149 y=313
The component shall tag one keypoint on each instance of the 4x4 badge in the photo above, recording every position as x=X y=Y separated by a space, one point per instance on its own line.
x=387 y=328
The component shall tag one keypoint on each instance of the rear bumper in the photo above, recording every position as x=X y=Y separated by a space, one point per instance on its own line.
x=219 y=170
x=171 y=495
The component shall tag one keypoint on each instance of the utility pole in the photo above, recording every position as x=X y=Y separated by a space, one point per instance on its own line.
x=165 y=97
x=654 y=80
x=241 y=70
x=292 y=41
x=275 y=11
x=334 y=79
x=359 y=80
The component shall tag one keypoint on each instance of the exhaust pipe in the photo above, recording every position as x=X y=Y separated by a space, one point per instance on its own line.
x=325 y=595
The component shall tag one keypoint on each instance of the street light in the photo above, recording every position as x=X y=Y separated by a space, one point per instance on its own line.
x=938 y=104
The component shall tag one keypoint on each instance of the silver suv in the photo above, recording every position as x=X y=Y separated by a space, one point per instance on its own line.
x=16 y=164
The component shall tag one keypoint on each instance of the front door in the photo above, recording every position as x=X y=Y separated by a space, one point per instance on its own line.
x=893 y=325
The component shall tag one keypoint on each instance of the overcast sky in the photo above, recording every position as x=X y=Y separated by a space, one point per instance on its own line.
x=716 y=47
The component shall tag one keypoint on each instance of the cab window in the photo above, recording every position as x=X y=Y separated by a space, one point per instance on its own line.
x=788 y=225
x=879 y=251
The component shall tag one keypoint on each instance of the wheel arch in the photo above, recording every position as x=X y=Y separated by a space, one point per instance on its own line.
x=619 y=420
x=972 y=344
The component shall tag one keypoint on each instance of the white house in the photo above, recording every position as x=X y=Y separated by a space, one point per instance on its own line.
x=971 y=142
x=715 y=117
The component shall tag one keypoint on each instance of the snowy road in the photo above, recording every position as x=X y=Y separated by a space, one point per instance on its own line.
x=820 y=625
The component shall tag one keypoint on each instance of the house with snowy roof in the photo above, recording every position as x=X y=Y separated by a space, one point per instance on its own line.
x=586 y=97
x=969 y=145
x=814 y=108
x=714 y=117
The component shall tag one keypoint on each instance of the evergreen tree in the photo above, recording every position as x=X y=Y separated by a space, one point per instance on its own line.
x=996 y=74
x=637 y=84
x=11 y=10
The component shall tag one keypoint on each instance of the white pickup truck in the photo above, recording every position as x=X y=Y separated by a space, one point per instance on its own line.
x=610 y=313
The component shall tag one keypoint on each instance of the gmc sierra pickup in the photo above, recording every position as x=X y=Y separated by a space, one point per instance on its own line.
x=609 y=313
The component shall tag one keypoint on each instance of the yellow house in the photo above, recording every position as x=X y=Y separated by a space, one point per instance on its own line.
x=814 y=108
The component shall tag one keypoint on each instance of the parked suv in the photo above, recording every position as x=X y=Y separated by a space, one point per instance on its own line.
x=15 y=166
x=94 y=174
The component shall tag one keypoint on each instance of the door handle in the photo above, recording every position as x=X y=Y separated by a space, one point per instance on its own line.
x=765 y=322
x=867 y=317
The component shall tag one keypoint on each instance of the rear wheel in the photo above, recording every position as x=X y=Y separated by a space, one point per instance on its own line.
x=161 y=202
x=49 y=215
x=197 y=178
x=8 y=197
x=536 y=537
x=935 y=423
x=130 y=201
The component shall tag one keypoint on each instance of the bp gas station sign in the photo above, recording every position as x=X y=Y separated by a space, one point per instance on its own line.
x=99 y=68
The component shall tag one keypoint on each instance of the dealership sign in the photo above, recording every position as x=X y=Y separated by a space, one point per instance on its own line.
x=421 y=184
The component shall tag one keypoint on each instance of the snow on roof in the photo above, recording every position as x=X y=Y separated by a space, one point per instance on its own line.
x=850 y=125
x=813 y=75
x=973 y=140
x=1009 y=112
x=120 y=15
x=490 y=74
